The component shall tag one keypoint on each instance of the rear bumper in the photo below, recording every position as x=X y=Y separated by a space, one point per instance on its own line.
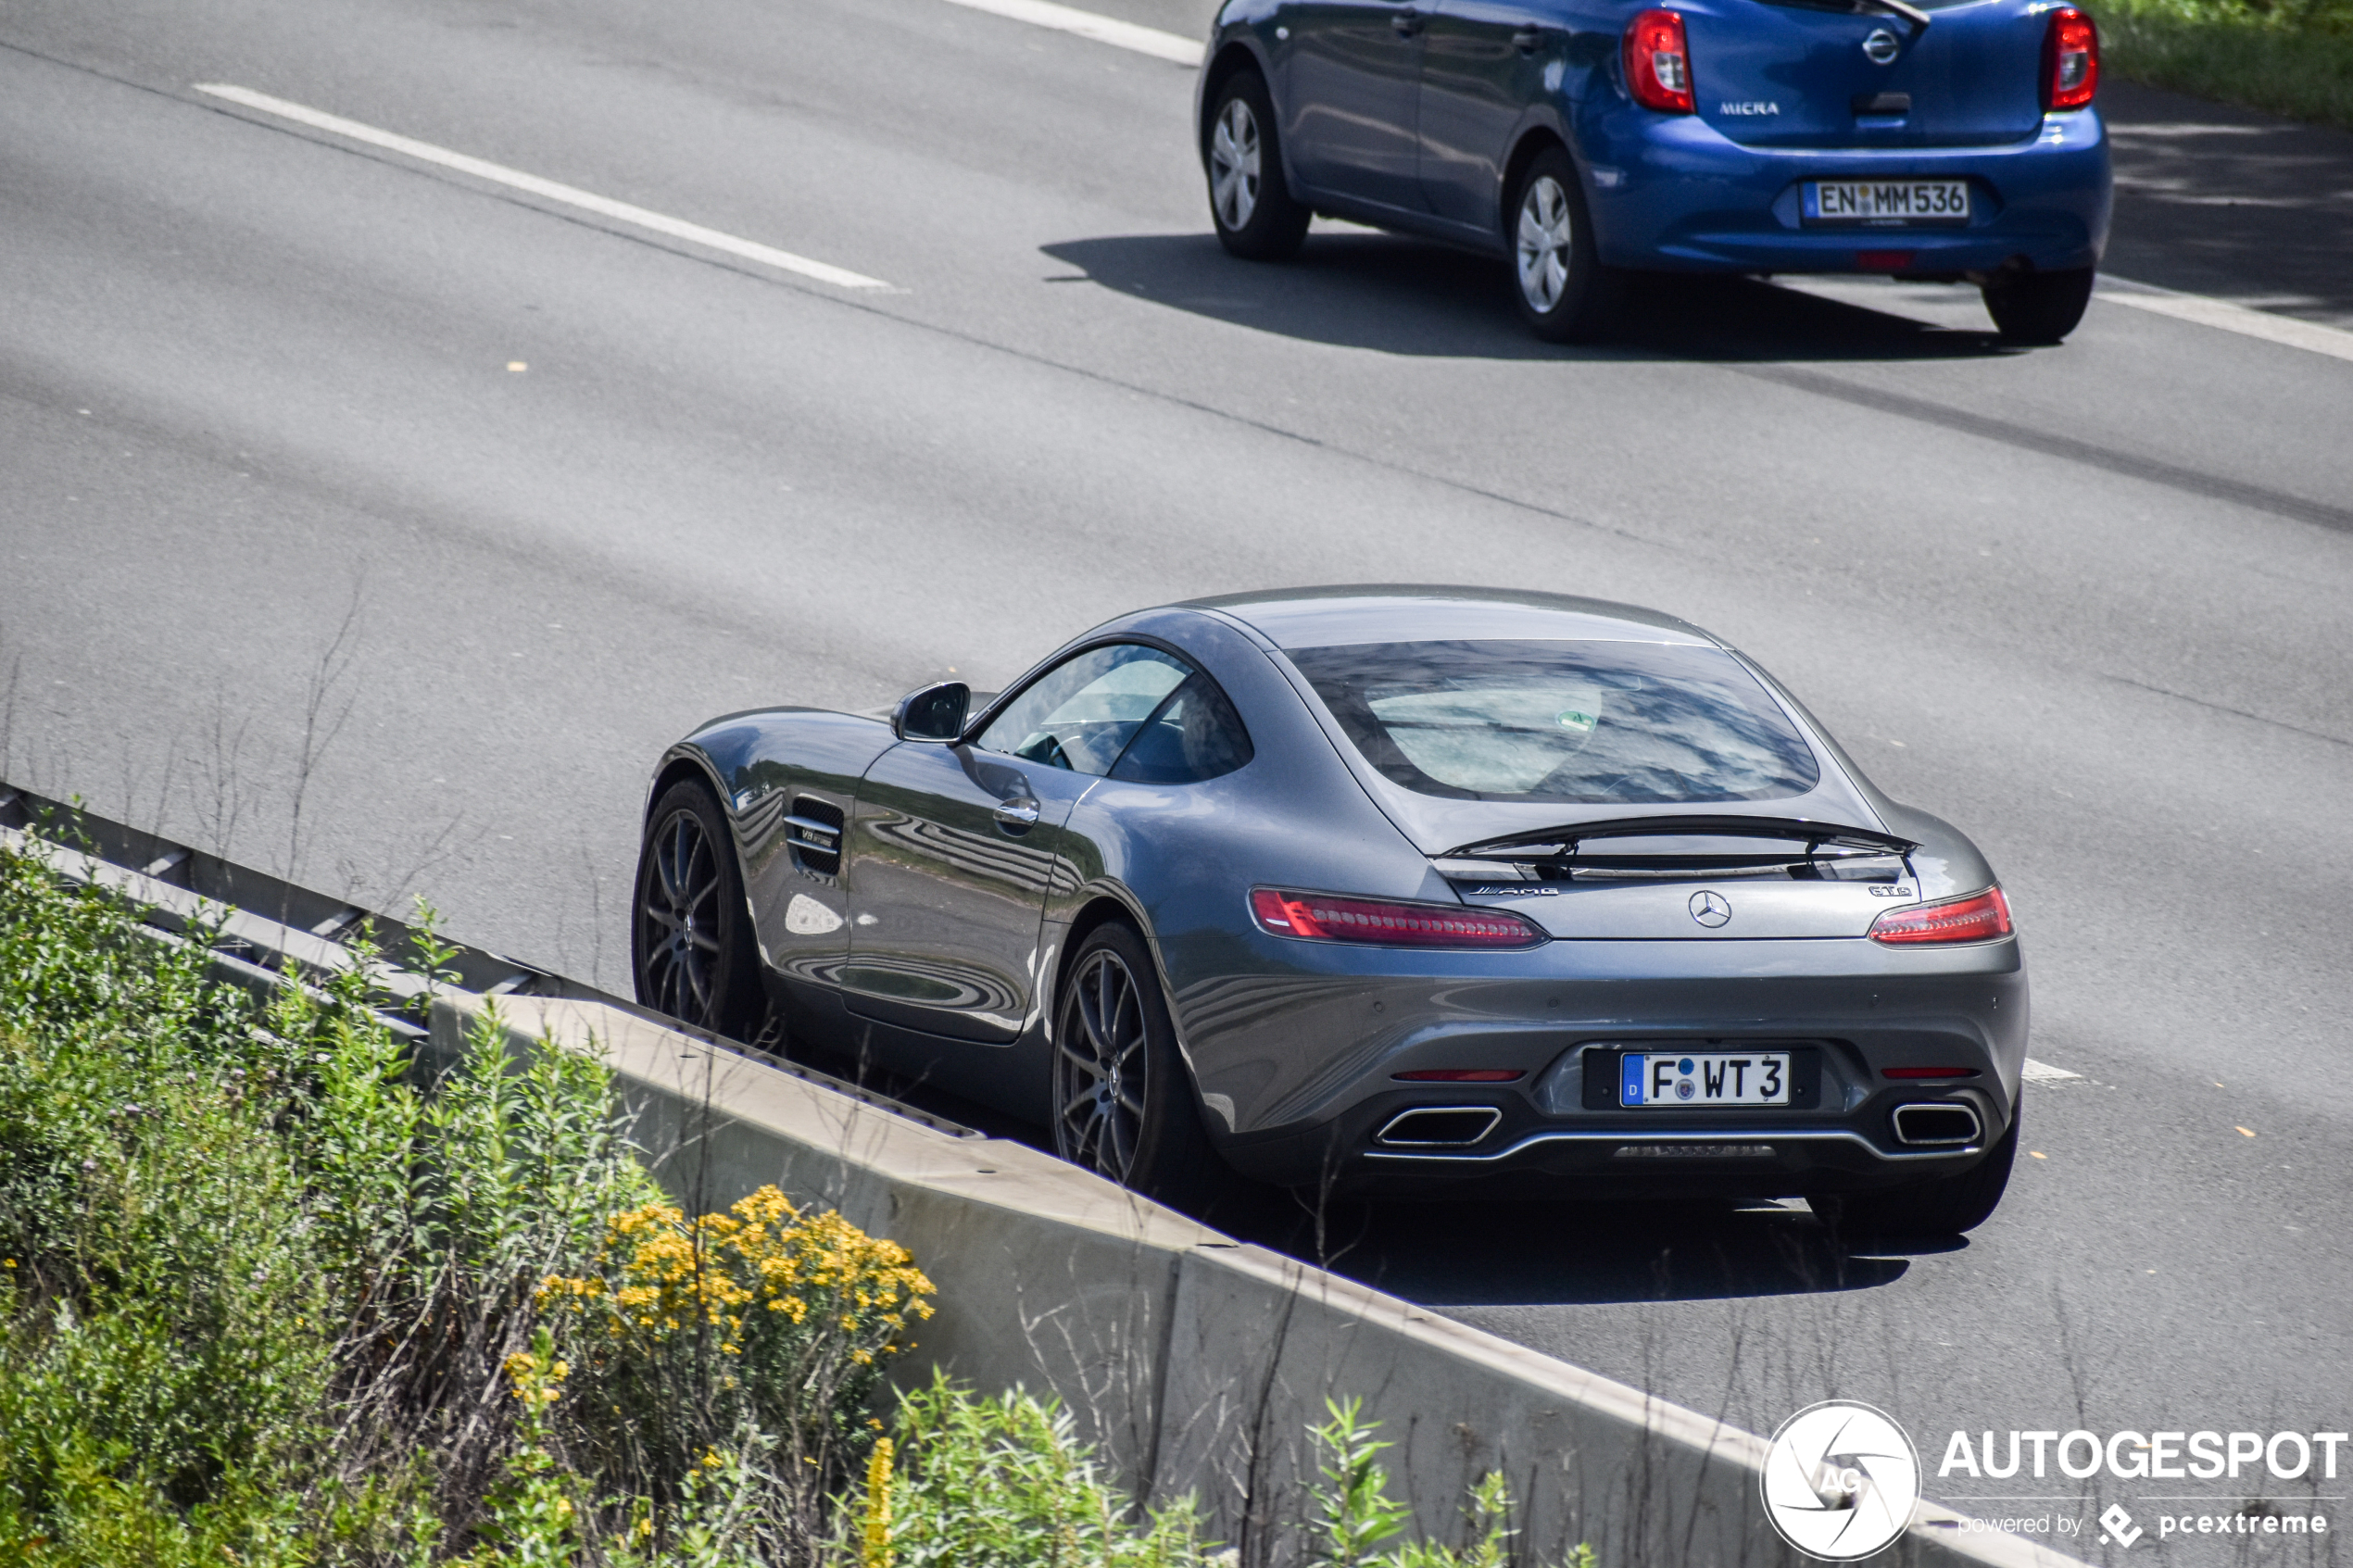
x=1539 y=1151
x=1323 y=1052
x=1671 y=192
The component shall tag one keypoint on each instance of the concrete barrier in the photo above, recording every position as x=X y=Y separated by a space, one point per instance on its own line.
x=1197 y=1362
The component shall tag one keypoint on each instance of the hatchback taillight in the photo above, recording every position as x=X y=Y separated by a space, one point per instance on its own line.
x=1319 y=917
x=2071 y=60
x=1981 y=917
x=1659 y=62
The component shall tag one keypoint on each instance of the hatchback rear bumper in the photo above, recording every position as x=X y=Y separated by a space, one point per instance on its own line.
x=1671 y=192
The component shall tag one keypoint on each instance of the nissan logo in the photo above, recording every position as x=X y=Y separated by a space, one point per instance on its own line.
x=1882 y=46
x=1710 y=909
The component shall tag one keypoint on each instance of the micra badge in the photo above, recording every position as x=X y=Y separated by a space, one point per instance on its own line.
x=1748 y=105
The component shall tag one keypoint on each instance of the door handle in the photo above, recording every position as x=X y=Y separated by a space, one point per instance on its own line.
x=1525 y=40
x=1408 y=23
x=1017 y=815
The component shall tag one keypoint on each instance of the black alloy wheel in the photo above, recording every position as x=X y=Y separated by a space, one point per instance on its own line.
x=690 y=931
x=1249 y=200
x=2037 y=307
x=1940 y=1206
x=1562 y=291
x=1124 y=1104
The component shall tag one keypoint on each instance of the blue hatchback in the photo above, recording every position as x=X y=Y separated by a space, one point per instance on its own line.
x=1586 y=139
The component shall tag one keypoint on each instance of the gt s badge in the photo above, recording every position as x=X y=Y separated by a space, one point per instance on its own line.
x=1749 y=106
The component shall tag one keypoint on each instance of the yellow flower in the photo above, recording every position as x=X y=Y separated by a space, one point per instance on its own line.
x=874 y=1545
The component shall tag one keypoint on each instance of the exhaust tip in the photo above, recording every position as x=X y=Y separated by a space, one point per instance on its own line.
x=1945 y=1124
x=1433 y=1126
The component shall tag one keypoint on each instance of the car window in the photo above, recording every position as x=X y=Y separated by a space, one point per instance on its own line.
x=1195 y=734
x=1565 y=722
x=1082 y=713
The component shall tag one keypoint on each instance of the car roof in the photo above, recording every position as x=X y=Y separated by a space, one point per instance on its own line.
x=1332 y=617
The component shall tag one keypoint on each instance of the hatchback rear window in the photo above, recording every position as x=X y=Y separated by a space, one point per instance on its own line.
x=1573 y=722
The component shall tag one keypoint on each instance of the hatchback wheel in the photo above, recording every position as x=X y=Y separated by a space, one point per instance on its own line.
x=1248 y=196
x=1124 y=1104
x=2038 y=307
x=1562 y=291
x=690 y=931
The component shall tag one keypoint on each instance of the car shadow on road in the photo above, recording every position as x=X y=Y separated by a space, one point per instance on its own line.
x=1528 y=1254
x=1397 y=295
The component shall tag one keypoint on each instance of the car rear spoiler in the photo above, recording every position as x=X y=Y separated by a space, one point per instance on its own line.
x=1560 y=842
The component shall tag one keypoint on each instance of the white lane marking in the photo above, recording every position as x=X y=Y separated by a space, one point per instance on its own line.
x=2206 y=312
x=2044 y=1073
x=588 y=201
x=1087 y=24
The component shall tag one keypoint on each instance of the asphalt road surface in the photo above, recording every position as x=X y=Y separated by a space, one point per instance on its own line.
x=379 y=521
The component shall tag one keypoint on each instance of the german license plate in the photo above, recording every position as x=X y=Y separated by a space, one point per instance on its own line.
x=1886 y=201
x=1683 y=1079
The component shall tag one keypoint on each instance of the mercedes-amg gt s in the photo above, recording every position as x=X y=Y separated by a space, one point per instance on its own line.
x=1408 y=890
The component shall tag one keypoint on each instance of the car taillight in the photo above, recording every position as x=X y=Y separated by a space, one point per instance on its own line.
x=1981 y=917
x=1319 y=917
x=2071 y=60
x=1659 y=62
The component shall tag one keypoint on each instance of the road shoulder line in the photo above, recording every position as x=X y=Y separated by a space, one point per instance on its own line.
x=2207 y=311
x=1090 y=24
x=548 y=190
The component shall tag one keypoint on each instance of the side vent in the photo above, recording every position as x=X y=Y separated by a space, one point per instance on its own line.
x=814 y=832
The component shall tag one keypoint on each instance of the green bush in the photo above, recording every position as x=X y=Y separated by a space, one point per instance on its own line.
x=2291 y=58
x=267 y=1299
x=1004 y=1482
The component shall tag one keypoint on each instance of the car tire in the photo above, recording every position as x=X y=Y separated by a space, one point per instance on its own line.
x=1943 y=1205
x=1562 y=291
x=2038 y=307
x=1124 y=1104
x=1250 y=201
x=690 y=944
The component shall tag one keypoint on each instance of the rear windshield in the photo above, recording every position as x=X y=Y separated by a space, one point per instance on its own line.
x=1573 y=722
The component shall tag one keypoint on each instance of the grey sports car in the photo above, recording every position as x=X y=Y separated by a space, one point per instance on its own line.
x=1417 y=891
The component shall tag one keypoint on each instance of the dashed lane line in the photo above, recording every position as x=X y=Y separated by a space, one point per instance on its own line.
x=2044 y=1073
x=1088 y=24
x=547 y=190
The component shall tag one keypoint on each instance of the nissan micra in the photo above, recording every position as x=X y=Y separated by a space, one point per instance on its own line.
x=1937 y=140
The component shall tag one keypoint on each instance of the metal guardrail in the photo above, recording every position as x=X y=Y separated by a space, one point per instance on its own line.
x=262 y=932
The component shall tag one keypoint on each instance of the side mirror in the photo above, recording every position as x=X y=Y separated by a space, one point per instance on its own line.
x=934 y=712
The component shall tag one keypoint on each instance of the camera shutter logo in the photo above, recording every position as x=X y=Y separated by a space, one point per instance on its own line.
x=1840 y=1480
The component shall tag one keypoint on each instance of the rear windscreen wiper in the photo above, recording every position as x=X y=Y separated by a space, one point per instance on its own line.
x=1909 y=12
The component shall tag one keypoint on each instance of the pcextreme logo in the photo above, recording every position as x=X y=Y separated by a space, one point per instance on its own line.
x=1840 y=1480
